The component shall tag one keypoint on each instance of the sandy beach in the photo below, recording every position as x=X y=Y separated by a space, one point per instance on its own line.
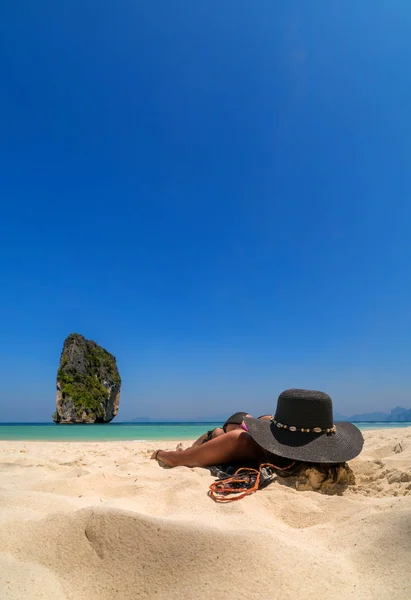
x=101 y=521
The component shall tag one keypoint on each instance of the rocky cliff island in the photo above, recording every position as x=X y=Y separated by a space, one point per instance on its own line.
x=88 y=383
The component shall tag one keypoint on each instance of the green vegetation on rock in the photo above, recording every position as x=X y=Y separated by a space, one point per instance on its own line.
x=86 y=377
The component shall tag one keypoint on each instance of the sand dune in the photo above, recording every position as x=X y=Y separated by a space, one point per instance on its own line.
x=102 y=521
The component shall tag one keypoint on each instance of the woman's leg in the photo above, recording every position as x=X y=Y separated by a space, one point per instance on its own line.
x=206 y=437
x=233 y=446
x=217 y=432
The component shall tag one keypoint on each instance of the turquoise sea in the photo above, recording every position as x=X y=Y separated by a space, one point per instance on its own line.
x=124 y=431
x=103 y=432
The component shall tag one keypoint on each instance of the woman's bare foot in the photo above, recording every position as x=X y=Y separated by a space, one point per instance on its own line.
x=157 y=456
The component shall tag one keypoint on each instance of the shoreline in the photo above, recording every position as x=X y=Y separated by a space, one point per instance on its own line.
x=107 y=433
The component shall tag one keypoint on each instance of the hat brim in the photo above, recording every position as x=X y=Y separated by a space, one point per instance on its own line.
x=343 y=445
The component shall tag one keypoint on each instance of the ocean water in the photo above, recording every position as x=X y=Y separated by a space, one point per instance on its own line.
x=125 y=431
x=103 y=432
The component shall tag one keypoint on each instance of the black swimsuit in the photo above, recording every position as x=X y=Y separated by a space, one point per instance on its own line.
x=235 y=419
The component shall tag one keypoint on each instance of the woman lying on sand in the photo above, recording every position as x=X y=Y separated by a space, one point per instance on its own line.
x=300 y=435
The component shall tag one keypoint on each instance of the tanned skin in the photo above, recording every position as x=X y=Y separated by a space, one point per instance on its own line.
x=233 y=446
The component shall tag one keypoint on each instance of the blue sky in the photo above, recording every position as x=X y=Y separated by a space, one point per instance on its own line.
x=217 y=192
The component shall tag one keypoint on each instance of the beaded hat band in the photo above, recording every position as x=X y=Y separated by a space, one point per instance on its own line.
x=332 y=429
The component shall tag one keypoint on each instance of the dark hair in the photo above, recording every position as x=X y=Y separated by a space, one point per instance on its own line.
x=328 y=478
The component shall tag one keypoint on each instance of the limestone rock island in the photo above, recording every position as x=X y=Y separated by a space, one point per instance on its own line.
x=88 y=383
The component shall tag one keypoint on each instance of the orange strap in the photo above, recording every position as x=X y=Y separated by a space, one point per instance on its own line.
x=220 y=491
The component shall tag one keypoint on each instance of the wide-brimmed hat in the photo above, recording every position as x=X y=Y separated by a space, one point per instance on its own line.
x=302 y=428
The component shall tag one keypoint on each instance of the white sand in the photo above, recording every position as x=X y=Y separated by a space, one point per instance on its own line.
x=102 y=521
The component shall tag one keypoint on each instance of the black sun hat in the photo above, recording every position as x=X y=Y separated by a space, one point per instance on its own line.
x=303 y=428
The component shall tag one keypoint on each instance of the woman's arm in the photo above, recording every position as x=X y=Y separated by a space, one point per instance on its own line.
x=231 y=447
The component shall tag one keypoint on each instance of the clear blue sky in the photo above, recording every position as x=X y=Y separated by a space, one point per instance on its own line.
x=217 y=192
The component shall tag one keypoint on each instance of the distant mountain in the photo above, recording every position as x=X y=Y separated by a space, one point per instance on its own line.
x=400 y=414
x=339 y=417
x=397 y=415
x=373 y=416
